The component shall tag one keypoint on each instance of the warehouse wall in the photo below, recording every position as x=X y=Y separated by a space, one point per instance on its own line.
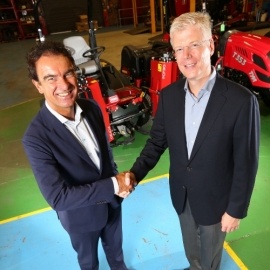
x=62 y=15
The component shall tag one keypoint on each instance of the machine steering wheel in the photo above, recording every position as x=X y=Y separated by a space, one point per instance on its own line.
x=94 y=52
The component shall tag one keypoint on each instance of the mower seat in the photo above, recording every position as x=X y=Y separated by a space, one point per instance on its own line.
x=77 y=46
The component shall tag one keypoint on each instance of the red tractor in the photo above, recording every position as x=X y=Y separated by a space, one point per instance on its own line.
x=245 y=59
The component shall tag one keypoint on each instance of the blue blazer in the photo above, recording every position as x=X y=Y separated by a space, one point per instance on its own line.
x=66 y=176
x=220 y=173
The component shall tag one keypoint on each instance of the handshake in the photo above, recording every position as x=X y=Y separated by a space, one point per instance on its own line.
x=126 y=182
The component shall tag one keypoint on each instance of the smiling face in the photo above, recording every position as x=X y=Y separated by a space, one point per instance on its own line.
x=58 y=83
x=193 y=58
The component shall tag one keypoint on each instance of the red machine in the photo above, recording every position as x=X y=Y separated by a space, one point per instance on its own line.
x=164 y=71
x=152 y=67
x=245 y=59
x=125 y=108
x=112 y=106
x=136 y=61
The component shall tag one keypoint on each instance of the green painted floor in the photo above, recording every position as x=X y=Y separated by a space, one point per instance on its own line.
x=19 y=193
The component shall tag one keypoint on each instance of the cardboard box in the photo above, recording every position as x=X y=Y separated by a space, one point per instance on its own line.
x=82 y=26
x=83 y=18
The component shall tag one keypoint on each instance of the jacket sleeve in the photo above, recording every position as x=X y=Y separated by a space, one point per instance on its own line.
x=246 y=139
x=154 y=147
x=65 y=177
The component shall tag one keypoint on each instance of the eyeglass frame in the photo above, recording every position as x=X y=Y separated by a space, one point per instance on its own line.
x=193 y=46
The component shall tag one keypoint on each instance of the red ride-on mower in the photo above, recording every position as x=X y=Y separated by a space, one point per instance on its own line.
x=245 y=59
x=125 y=108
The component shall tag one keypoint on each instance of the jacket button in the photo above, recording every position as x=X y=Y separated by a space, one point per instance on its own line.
x=189 y=169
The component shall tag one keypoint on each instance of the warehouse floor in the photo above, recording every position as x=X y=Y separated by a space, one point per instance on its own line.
x=22 y=204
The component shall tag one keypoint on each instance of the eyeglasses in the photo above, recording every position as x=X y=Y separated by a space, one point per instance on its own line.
x=192 y=47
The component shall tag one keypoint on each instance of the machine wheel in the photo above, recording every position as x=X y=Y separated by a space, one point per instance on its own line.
x=145 y=118
x=239 y=77
x=265 y=95
x=120 y=139
x=242 y=79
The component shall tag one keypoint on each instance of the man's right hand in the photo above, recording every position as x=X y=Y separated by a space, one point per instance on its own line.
x=126 y=182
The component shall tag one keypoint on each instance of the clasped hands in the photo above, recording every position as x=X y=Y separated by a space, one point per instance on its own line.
x=126 y=182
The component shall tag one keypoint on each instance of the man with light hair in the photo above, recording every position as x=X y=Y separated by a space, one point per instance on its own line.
x=210 y=126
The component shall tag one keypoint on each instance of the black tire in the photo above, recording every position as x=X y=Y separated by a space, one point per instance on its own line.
x=144 y=119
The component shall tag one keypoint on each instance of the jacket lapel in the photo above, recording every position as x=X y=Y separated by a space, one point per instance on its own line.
x=62 y=136
x=97 y=133
x=215 y=104
x=181 y=114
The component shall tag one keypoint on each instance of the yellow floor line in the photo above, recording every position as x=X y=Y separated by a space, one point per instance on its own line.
x=25 y=215
x=234 y=257
x=18 y=104
x=226 y=246
x=49 y=208
x=154 y=178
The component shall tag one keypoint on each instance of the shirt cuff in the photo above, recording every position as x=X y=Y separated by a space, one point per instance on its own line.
x=115 y=185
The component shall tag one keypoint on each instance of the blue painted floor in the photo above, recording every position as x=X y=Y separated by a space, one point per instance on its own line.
x=152 y=237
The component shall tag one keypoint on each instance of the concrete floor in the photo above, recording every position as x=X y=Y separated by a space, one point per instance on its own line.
x=19 y=194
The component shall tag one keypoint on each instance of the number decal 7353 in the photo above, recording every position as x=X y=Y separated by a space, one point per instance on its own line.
x=239 y=58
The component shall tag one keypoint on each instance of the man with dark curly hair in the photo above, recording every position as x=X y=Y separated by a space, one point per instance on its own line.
x=72 y=161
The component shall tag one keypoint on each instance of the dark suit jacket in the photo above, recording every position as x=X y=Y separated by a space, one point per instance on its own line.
x=220 y=174
x=67 y=177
